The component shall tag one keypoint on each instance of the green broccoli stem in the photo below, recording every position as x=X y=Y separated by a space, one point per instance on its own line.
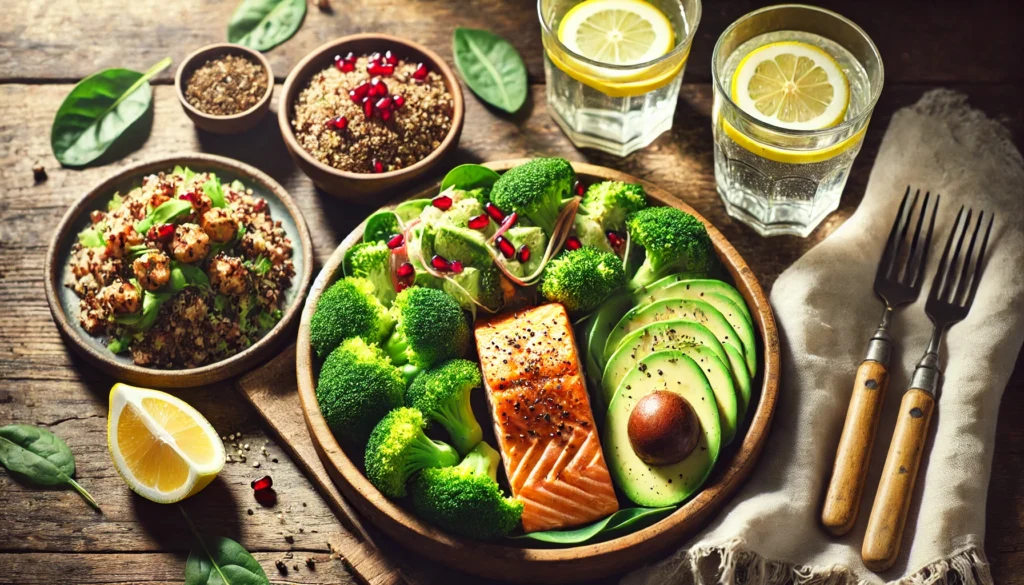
x=482 y=461
x=424 y=453
x=644 y=276
x=545 y=217
x=397 y=348
x=457 y=417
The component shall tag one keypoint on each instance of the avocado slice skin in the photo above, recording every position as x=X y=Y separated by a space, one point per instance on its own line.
x=602 y=323
x=693 y=340
x=662 y=485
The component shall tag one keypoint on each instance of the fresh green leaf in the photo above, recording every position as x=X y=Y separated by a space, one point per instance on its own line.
x=40 y=456
x=411 y=209
x=381 y=226
x=190 y=275
x=115 y=202
x=491 y=67
x=220 y=561
x=214 y=191
x=151 y=303
x=120 y=344
x=261 y=266
x=266 y=321
x=167 y=211
x=632 y=518
x=98 y=111
x=265 y=24
x=469 y=176
x=91 y=238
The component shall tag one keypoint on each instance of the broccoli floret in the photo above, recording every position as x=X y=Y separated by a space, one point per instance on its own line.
x=430 y=327
x=372 y=261
x=357 y=387
x=535 y=190
x=442 y=394
x=398 y=448
x=349 y=308
x=672 y=241
x=466 y=499
x=610 y=202
x=581 y=279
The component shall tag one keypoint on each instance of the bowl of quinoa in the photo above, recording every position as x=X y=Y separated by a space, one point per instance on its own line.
x=368 y=113
x=179 y=272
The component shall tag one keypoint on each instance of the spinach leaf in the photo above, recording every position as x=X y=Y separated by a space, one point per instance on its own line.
x=91 y=238
x=265 y=24
x=220 y=561
x=468 y=177
x=183 y=275
x=98 y=111
x=167 y=211
x=407 y=211
x=40 y=456
x=381 y=226
x=261 y=266
x=214 y=191
x=121 y=344
x=617 y=522
x=491 y=67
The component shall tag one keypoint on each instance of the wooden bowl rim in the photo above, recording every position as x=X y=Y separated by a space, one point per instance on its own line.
x=292 y=86
x=190 y=63
x=209 y=373
x=689 y=517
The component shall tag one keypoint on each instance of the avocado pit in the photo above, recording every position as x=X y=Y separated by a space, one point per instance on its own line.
x=663 y=428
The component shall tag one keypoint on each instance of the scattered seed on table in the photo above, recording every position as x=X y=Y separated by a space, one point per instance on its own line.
x=274 y=459
x=39 y=173
x=256 y=464
x=281 y=567
x=289 y=538
x=249 y=511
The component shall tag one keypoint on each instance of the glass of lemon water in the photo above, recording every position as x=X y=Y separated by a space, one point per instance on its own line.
x=794 y=90
x=613 y=67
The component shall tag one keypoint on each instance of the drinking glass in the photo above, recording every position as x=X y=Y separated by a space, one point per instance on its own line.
x=774 y=179
x=614 y=108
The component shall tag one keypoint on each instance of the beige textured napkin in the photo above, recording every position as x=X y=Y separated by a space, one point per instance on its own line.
x=769 y=534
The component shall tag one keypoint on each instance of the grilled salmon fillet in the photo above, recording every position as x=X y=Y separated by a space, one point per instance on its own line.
x=542 y=418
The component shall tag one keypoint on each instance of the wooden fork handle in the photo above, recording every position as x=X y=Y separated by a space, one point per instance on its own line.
x=896 y=487
x=842 y=500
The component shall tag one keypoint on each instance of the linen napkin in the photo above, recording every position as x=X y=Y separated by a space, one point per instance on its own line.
x=769 y=534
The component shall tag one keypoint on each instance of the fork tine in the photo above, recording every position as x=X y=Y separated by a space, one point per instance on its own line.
x=908 y=270
x=896 y=270
x=915 y=280
x=963 y=283
x=979 y=264
x=940 y=276
x=948 y=286
x=885 y=264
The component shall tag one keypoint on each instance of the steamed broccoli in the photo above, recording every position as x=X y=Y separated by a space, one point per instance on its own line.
x=357 y=387
x=397 y=449
x=372 y=261
x=535 y=190
x=581 y=279
x=442 y=394
x=348 y=309
x=604 y=208
x=466 y=499
x=430 y=327
x=672 y=241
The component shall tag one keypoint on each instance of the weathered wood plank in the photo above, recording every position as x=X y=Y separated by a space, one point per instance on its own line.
x=921 y=41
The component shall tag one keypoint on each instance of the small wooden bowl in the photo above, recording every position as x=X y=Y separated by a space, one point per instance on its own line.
x=502 y=560
x=234 y=123
x=64 y=302
x=365 y=188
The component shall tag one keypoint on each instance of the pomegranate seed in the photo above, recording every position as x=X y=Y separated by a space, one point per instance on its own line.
x=399 y=100
x=493 y=211
x=578 y=188
x=405 y=270
x=260 y=205
x=523 y=254
x=384 y=103
x=351 y=57
x=377 y=88
x=505 y=247
x=378 y=167
x=421 y=72
x=440 y=263
x=367 y=107
x=359 y=92
x=615 y=239
x=265 y=482
x=478 y=222
x=375 y=56
x=339 y=123
x=190 y=197
x=267 y=497
x=442 y=202
x=345 y=64
x=384 y=114
x=401 y=286
x=396 y=241
x=163 y=232
x=378 y=69
x=573 y=243
x=456 y=266
x=390 y=58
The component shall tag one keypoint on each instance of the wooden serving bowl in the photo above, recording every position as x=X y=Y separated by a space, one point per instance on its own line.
x=235 y=123
x=365 y=188
x=501 y=559
x=64 y=303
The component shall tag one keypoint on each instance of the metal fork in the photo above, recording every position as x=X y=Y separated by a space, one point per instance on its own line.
x=897 y=282
x=948 y=303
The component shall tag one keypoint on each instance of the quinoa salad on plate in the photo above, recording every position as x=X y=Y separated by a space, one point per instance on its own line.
x=182 y=271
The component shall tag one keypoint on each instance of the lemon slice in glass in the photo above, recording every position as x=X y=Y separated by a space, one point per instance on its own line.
x=162 y=447
x=793 y=85
x=617 y=32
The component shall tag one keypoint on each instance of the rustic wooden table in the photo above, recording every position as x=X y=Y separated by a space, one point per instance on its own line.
x=51 y=536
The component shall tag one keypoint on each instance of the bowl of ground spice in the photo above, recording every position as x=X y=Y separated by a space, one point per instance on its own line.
x=225 y=88
x=368 y=113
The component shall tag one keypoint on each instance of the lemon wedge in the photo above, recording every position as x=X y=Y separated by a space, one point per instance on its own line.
x=162 y=447
x=617 y=32
x=791 y=84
